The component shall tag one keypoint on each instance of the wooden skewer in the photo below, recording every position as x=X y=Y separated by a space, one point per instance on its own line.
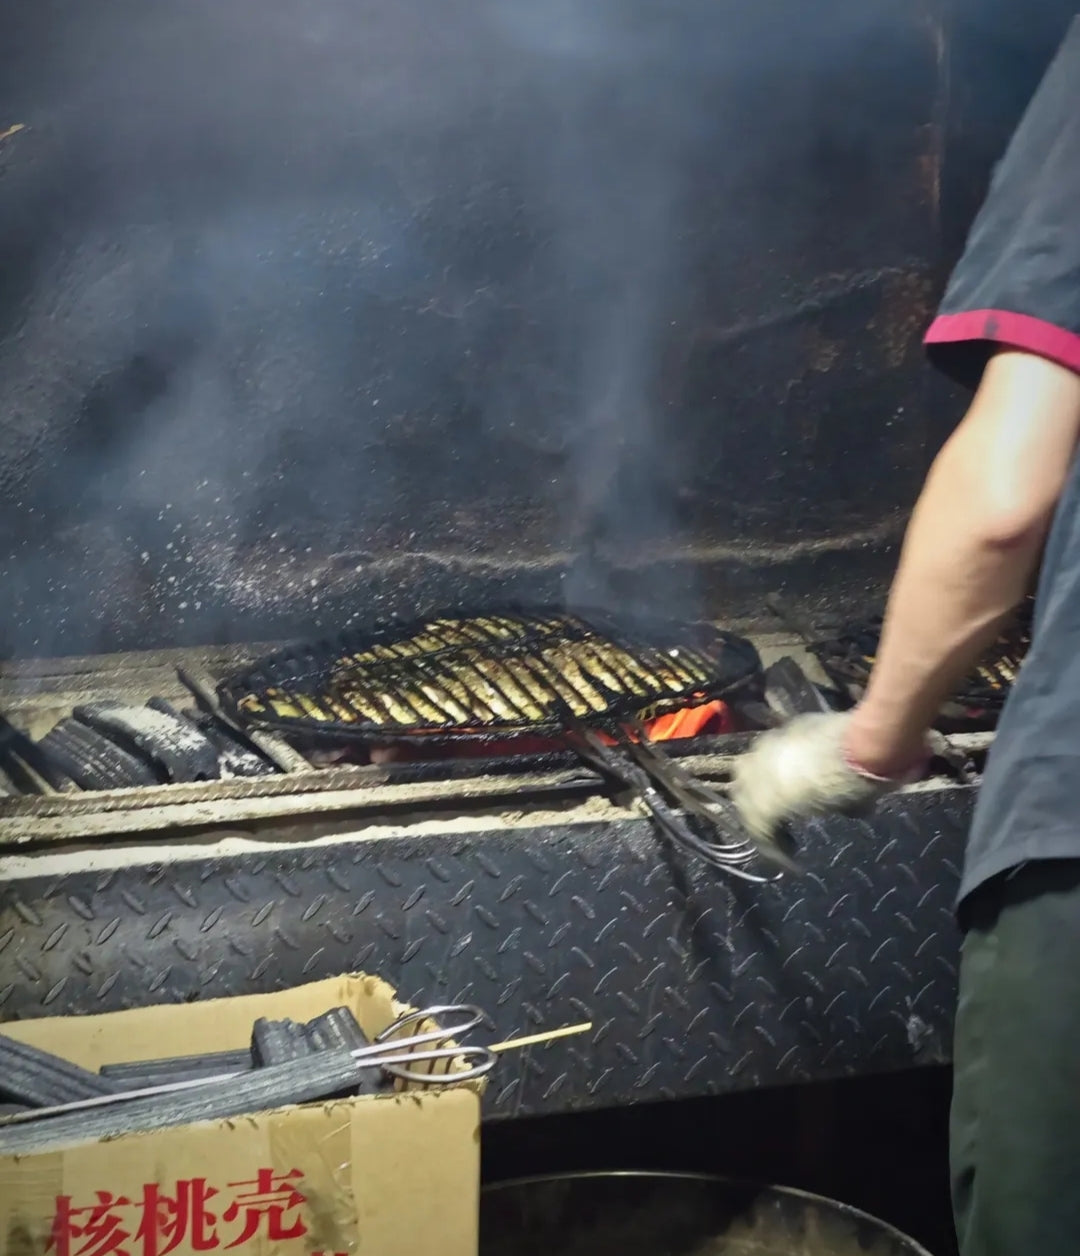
x=533 y=1039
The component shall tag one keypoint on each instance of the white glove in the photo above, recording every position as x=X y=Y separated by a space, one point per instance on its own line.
x=799 y=771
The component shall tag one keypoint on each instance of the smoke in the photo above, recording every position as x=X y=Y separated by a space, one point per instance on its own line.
x=621 y=111
x=312 y=310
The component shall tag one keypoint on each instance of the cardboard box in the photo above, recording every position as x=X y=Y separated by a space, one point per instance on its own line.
x=388 y=1175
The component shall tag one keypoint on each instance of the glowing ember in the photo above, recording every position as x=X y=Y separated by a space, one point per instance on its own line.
x=708 y=719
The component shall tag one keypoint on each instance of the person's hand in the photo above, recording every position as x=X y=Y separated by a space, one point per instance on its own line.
x=805 y=769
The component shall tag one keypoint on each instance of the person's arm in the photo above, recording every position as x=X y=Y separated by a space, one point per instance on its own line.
x=971 y=548
x=969 y=553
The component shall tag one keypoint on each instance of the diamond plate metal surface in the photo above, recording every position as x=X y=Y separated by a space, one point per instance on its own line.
x=694 y=984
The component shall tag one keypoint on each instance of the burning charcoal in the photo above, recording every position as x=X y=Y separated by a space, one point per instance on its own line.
x=329 y=756
x=93 y=761
x=145 y=1073
x=156 y=732
x=39 y=1079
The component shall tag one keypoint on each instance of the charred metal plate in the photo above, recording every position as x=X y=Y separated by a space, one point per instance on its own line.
x=693 y=984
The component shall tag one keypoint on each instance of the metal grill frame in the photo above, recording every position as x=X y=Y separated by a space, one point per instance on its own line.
x=304 y=669
x=843 y=657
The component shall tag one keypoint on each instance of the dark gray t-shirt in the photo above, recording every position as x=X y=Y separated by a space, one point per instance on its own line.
x=1018 y=284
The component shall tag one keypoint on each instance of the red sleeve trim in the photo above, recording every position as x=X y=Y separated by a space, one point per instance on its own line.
x=1018 y=331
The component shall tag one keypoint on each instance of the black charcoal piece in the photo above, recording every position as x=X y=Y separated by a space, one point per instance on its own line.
x=155 y=731
x=235 y=759
x=7 y=785
x=143 y=1073
x=277 y=754
x=338 y=1030
x=94 y=762
x=315 y=1077
x=276 y=1042
x=40 y=1079
x=18 y=751
x=790 y=691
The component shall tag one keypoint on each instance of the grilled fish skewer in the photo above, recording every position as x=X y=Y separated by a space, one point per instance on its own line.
x=489 y=673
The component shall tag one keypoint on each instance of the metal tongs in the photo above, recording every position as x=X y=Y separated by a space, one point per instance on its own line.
x=484 y=1057
x=642 y=767
x=390 y=1053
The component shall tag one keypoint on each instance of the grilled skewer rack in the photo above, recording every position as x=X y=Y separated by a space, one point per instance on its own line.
x=847 y=652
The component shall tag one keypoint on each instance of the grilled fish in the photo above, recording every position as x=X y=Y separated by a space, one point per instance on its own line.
x=458 y=674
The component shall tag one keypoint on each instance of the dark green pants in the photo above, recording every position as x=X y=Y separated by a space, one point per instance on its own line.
x=1016 y=1100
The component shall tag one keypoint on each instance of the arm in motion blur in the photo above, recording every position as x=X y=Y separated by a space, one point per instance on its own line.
x=971 y=548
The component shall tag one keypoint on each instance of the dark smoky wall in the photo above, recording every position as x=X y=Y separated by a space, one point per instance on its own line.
x=319 y=310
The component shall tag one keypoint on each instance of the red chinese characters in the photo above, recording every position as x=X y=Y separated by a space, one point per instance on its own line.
x=192 y=1216
x=270 y=1201
x=96 y=1230
x=167 y=1221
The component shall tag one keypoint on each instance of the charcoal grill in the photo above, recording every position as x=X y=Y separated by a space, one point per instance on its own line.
x=501 y=673
x=513 y=673
x=526 y=886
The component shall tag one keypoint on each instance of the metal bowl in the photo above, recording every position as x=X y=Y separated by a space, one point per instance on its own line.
x=674 y=1214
